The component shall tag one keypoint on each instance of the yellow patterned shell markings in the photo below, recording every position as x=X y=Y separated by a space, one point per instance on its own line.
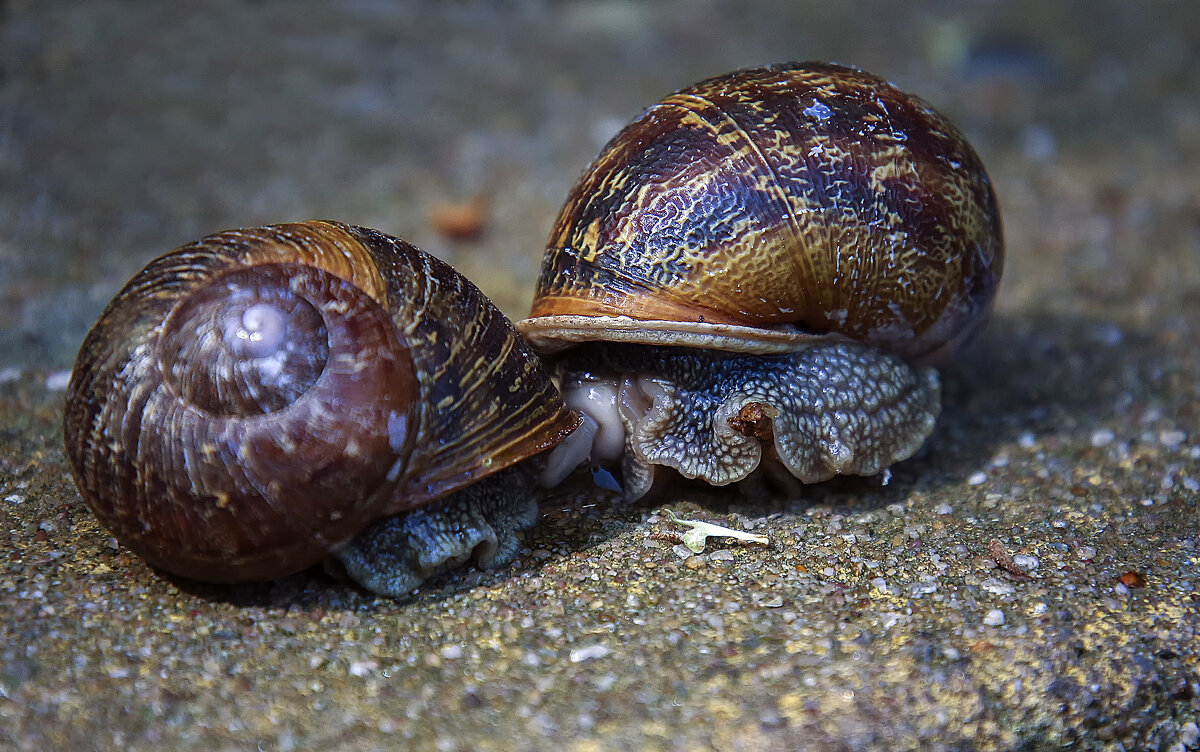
x=810 y=194
x=329 y=246
x=484 y=394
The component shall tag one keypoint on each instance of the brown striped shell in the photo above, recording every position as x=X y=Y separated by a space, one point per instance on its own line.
x=250 y=402
x=755 y=210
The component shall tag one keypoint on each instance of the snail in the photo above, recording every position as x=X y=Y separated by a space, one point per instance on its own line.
x=265 y=399
x=763 y=270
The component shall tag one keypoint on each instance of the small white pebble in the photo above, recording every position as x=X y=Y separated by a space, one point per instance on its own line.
x=15 y=499
x=9 y=373
x=997 y=587
x=1087 y=553
x=943 y=509
x=1102 y=437
x=58 y=381
x=1191 y=484
x=1171 y=438
x=828 y=571
x=1025 y=561
x=1121 y=589
x=1058 y=524
x=362 y=668
x=1189 y=734
x=1039 y=608
x=452 y=652
x=591 y=652
x=880 y=584
x=926 y=586
x=1026 y=440
x=994 y=618
x=977 y=479
x=951 y=654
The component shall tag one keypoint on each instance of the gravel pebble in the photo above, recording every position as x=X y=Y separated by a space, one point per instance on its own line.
x=1025 y=561
x=589 y=653
x=58 y=381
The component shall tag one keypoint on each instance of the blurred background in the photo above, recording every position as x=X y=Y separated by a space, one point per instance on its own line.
x=129 y=128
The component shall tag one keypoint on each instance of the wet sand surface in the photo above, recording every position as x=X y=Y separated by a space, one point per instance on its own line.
x=1030 y=581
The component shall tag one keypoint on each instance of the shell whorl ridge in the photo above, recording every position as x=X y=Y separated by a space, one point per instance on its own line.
x=253 y=343
x=249 y=402
x=794 y=200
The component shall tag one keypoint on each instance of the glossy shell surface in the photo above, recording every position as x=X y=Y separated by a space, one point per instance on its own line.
x=251 y=401
x=754 y=210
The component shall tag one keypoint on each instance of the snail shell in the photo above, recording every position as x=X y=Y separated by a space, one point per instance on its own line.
x=775 y=211
x=768 y=205
x=250 y=402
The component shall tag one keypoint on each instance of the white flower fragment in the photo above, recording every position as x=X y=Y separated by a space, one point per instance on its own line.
x=695 y=538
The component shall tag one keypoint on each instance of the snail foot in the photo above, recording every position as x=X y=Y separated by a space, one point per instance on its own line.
x=397 y=554
x=833 y=409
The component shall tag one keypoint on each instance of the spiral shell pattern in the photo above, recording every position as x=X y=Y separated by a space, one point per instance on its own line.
x=249 y=402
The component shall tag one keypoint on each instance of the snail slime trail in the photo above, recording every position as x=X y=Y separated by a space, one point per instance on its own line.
x=764 y=268
x=266 y=399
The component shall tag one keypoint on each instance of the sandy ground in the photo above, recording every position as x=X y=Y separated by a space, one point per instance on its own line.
x=1029 y=582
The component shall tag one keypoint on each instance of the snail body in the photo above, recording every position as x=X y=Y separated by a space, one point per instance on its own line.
x=774 y=257
x=258 y=401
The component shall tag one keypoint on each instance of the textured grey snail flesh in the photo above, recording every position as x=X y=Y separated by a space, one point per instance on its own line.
x=843 y=408
x=396 y=554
